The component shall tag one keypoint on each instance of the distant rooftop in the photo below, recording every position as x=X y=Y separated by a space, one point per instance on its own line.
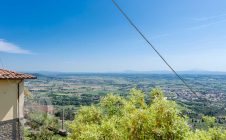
x=7 y=74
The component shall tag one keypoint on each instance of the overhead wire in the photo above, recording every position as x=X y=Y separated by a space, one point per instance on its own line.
x=153 y=47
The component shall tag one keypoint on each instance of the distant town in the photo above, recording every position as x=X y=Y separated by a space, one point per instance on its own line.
x=74 y=90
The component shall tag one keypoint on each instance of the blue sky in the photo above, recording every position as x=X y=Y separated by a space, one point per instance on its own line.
x=92 y=36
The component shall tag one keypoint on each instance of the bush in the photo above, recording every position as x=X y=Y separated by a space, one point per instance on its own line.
x=117 y=118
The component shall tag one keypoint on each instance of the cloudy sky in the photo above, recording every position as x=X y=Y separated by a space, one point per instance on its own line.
x=92 y=36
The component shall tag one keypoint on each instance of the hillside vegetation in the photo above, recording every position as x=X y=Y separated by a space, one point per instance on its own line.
x=119 y=118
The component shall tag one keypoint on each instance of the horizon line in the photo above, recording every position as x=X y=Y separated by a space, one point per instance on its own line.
x=130 y=72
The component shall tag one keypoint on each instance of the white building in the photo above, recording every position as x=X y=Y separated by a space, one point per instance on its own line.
x=11 y=103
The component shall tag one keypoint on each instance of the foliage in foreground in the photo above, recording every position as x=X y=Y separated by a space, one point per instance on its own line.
x=117 y=118
x=41 y=127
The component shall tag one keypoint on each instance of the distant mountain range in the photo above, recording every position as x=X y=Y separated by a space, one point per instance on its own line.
x=51 y=73
x=179 y=72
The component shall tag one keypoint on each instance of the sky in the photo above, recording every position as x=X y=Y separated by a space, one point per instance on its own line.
x=92 y=35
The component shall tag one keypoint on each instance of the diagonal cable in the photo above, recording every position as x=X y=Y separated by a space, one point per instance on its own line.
x=149 y=43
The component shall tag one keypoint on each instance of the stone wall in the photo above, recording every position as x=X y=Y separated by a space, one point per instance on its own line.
x=9 y=130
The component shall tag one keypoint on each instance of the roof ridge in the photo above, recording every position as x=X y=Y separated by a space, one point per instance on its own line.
x=9 y=74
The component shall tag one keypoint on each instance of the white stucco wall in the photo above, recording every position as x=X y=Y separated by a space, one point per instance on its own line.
x=9 y=99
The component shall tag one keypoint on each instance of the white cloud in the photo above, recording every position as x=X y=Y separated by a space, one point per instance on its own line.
x=11 y=48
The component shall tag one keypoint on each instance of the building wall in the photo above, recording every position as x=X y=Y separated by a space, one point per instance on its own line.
x=21 y=99
x=9 y=99
x=11 y=130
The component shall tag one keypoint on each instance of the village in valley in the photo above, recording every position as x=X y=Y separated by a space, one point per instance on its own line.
x=70 y=91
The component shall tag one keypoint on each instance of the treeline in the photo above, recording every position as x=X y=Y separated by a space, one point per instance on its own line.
x=83 y=99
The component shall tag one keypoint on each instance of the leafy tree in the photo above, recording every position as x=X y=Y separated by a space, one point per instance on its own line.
x=117 y=118
x=42 y=127
x=211 y=134
x=210 y=121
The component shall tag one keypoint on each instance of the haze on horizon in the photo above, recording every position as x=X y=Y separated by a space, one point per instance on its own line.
x=92 y=36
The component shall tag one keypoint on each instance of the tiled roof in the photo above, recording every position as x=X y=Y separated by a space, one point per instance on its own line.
x=7 y=74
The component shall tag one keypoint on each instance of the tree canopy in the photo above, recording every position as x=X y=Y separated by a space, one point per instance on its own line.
x=118 y=118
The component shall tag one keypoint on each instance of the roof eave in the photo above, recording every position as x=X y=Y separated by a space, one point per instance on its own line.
x=17 y=78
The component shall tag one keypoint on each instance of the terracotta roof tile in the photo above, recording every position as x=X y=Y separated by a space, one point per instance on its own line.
x=7 y=74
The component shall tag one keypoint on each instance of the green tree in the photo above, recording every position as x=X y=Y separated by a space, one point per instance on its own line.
x=117 y=118
x=210 y=121
x=216 y=133
x=42 y=127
